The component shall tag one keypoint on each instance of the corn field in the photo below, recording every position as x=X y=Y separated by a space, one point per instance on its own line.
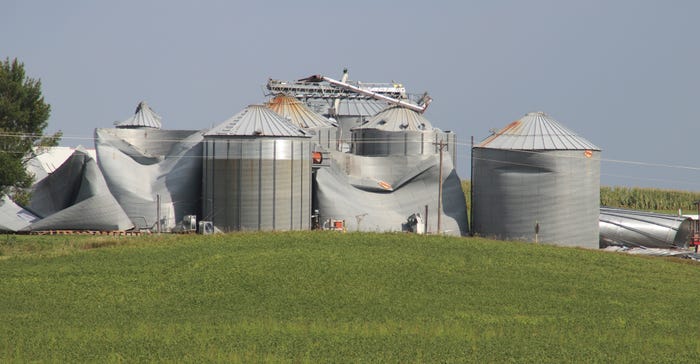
x=651 y=199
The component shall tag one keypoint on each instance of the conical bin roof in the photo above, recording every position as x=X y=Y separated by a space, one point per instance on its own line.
x=257 y=120
x=297 y=112
x=397 y=118
x=144 y=117
x=536 y=131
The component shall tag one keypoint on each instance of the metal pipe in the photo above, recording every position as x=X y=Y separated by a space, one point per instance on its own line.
x=336 y=103
x=420 y=109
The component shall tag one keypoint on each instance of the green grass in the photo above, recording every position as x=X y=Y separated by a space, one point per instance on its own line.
x=333 y=297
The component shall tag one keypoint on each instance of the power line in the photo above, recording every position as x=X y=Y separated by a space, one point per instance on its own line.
x=457 y=143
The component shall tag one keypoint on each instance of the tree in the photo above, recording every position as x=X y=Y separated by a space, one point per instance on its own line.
x=23 y=118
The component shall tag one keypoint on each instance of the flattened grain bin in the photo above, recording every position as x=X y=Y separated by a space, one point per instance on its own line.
x=257 y=173
x=630 y=228
x=536 y=180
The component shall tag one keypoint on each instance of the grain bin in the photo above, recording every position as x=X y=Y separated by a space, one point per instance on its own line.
x=322 y=130
x=630 y=228
x=144 y=117
x=536 y=180
x=257 y=173
x=400 y=131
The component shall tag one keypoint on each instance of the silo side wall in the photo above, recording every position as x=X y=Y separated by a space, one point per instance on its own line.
x=515 y=190
x=326 y=138
x=142 y=165
x=345 y=124
x=258 y=184
x=375 y=142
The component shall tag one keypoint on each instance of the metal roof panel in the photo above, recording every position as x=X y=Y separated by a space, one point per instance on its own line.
x=257 y=120
x=536 y=131
x=297 y=112
x=144 y=117
x=397 y=118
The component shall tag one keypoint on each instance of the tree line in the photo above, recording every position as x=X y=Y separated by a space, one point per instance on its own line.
x=23 y=117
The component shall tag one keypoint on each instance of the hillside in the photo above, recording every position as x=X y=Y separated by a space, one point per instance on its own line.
x=312 y=296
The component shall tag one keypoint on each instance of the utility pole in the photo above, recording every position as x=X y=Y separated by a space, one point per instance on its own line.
x=158 y=213
x=441 y=144
x=471 y=190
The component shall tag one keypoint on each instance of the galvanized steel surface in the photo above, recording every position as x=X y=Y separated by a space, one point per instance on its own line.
x=376 y=95
x=356 y=108
x=397 y=118
x=14 y=217
x=297 y=113
x=147 y=146
x=349 y=114
x=142 y=165
x=513 y=191
x=536 y=131
x=75 y=197
x=374 y=142
x=256 y=120
x=643 y=229
x=258 y=183
x=400 y=131
x=322 y=131
x=379 y=194
x=49 y=159
x=144 y=117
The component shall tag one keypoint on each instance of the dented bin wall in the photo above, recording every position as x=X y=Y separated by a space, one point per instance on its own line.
x=536 y=172
x=144 y=165
x=515 y=190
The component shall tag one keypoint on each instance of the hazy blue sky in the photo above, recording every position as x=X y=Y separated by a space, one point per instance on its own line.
x=623 y=74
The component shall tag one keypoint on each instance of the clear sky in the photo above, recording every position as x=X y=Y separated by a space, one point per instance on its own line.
x=623 y=74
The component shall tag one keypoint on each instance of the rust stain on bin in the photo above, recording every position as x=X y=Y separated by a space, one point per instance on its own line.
x=510 y=127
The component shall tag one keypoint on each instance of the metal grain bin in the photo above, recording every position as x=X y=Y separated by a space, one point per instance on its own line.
x=536 y=180
x=400 y=131
x=322 y=130
x=634 y=229
x=257 y=173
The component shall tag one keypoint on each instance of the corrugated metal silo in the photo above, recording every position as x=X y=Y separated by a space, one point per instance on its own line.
x=323 y=131
x=400 y=131
x=257 y=173
x=536 y=180
x=349 y=113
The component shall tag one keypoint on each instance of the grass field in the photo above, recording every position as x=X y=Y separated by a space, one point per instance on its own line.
x=333 y=297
